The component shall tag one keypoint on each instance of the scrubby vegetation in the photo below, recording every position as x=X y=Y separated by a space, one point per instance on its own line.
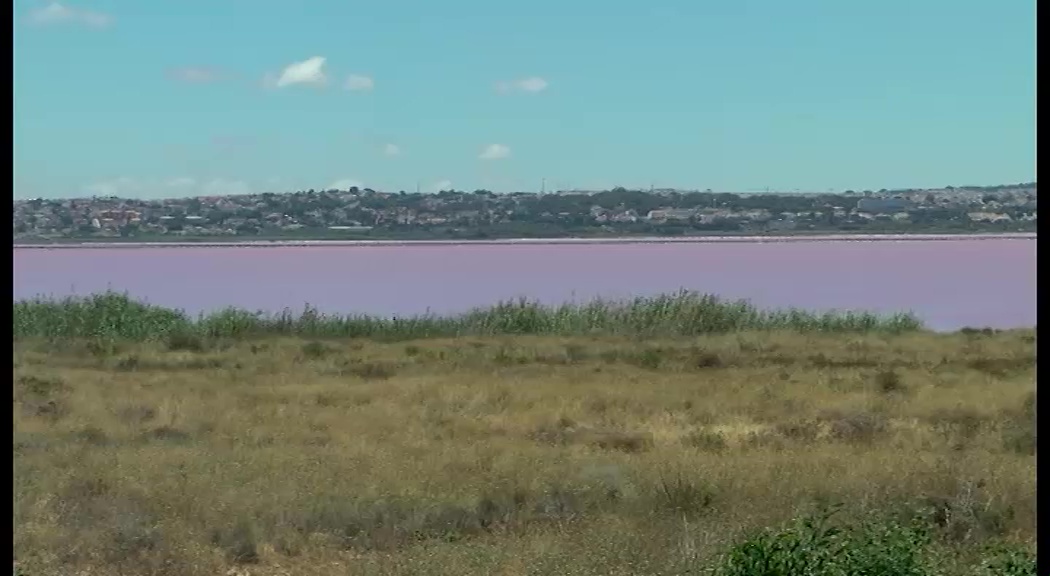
x=660 y=437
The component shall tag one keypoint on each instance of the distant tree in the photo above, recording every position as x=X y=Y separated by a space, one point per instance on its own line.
x=726 y=199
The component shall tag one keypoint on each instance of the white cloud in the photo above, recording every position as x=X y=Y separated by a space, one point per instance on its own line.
x=345 y=184
x=183 y=186
x=357 y=83
x=194 y=75
x=495 y=152
x=309 y=71
x=56 y=13
x=531 y=84
x=391 y=150
x=442 y=185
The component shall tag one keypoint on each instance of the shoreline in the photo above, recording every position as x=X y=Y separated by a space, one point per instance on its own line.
x=535 y=241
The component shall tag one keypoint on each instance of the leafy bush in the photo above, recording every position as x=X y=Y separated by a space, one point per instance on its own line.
x=1007 y=561
x=815 y=546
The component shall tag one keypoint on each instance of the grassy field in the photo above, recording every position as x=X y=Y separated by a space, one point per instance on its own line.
x=662 y=437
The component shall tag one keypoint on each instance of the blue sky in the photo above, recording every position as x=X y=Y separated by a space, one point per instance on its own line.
x=184 y=97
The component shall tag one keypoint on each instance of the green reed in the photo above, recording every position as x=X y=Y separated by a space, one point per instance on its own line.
x=115 y=316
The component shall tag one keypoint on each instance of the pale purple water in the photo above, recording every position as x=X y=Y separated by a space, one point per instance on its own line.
x=949 y=284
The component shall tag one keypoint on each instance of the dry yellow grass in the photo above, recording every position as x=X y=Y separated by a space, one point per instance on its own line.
x=507 y=456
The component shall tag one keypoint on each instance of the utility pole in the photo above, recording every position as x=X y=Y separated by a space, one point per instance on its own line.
x=543 y=186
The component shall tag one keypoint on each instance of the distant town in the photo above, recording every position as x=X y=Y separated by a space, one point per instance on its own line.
x=369 y=214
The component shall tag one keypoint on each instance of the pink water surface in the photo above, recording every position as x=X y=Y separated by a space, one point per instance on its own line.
x=949 y=284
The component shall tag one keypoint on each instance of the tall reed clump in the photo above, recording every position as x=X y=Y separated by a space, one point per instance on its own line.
x=114 y=316
x=108 y=315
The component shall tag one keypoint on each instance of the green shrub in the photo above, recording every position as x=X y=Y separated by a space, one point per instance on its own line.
x=1007 y=561
x=815 y=546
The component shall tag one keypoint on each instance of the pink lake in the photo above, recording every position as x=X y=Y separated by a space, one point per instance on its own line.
x=948 y=284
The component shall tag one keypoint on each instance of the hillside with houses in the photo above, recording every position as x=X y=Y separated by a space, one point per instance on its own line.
x=367 y=213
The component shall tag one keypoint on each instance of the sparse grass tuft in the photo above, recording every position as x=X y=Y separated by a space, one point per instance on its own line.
x=684 y=496
x=186 y=341
x=705 y=440
x=856 y=426
x=889 y=382
x=315 y=350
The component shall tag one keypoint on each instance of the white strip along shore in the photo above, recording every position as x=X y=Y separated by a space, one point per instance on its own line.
x=536 y=241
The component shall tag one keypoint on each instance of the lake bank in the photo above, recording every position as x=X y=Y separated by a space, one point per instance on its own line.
x=534 y=241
